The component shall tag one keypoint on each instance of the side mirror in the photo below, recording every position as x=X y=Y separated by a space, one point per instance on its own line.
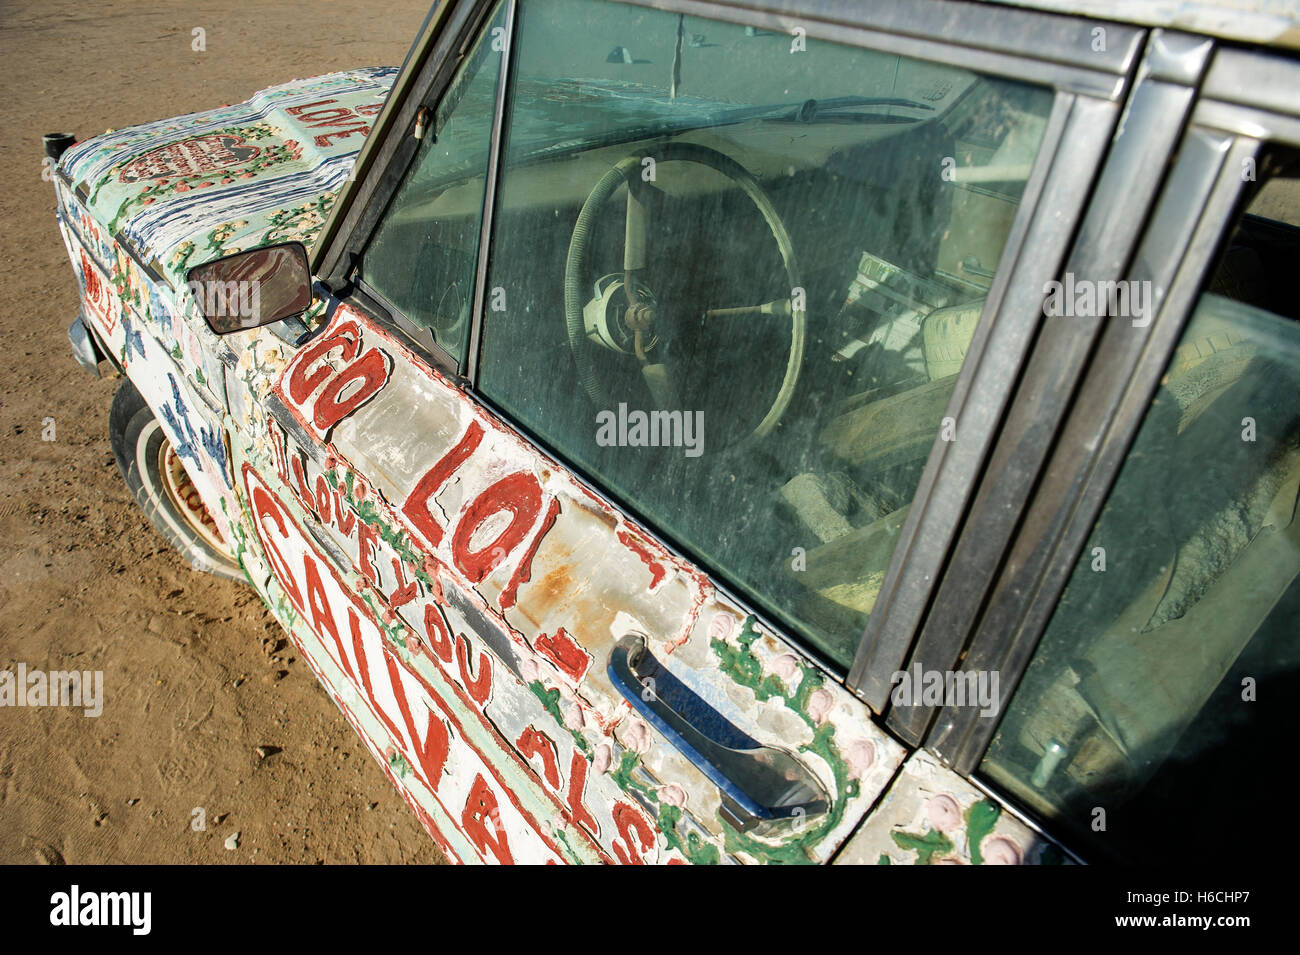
x=254 y=288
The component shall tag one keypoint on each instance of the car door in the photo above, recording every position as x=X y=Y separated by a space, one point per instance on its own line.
x=588 y=580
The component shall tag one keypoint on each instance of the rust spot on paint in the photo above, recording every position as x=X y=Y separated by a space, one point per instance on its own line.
x=599 y=513
x=555 y=587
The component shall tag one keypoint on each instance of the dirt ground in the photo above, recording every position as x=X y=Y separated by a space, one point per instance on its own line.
x=197 y=675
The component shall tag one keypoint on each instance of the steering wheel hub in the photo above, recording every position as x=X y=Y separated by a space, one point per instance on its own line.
x=610 y=322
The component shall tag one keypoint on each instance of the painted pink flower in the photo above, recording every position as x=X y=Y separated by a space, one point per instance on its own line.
x=637 y=736
x=999 y=850
x=603 y=759
x=673 y=795
x=860 y=756
x=528 y=670
x=203 y=185
x=573 y=719
x=721 y=625
x=820 y=702
x=786 y=666
x=182 y=187
x=248 y=175
x=942 y=812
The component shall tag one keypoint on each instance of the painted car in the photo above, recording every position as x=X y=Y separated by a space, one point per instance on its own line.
x=783 y=433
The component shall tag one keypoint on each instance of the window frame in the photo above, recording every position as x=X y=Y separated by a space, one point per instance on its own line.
x=1235 y=114
x=449 y=30
x=1101 y=247
x=1047 y=48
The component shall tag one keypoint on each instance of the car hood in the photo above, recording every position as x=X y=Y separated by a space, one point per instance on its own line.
x=182 y=191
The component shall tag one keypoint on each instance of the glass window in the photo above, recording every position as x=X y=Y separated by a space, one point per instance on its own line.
x=424 y=251
x=734 y=274
x=1142 y=699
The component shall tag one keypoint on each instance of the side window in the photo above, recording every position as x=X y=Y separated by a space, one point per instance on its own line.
x=1141 y=701
x=423 y=254
x=734 y=276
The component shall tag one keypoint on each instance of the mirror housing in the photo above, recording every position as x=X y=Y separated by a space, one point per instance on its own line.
x=254 y=288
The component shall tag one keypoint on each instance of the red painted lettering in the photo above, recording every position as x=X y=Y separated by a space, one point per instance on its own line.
x=298 y=110
x=481 y=688
x=533 y=742
x=369 y=373
x=524 y=571
x=521 y=495
x=577 y=783
x=418 y=507
x=324 y=139
x=635 y=834
x=322 y=619
x=323 y=499
x=430 y=748
x=325 y=117
x=439 y=635
x=480 y=813
x=565 y=653
x=404 y=592
x=344 y=519
x=300 y=384
x=264 y=507
x=367 y=550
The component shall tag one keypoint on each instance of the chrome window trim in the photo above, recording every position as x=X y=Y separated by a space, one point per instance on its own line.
x=1243 y=121
x=1198 y=205
x=1103 y=420
x=387 y=152
x=1039 y=237
x=1260 y=81
x=1045 y=48
x=1127 y=189
x=491 y=184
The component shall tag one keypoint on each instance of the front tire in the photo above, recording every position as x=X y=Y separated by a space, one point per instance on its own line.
x=161 y=487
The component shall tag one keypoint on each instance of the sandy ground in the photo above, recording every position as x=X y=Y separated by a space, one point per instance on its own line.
x=197 y=674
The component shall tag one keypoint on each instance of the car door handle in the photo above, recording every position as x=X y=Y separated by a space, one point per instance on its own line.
x=760 y=785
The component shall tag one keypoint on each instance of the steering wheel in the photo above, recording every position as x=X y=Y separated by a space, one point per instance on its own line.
x=622 y=314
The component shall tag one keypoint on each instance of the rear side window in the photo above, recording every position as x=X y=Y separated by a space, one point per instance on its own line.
x=1136 y=725
x=733 y=278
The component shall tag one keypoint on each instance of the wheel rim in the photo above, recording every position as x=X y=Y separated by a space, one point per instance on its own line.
x=185 y=499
